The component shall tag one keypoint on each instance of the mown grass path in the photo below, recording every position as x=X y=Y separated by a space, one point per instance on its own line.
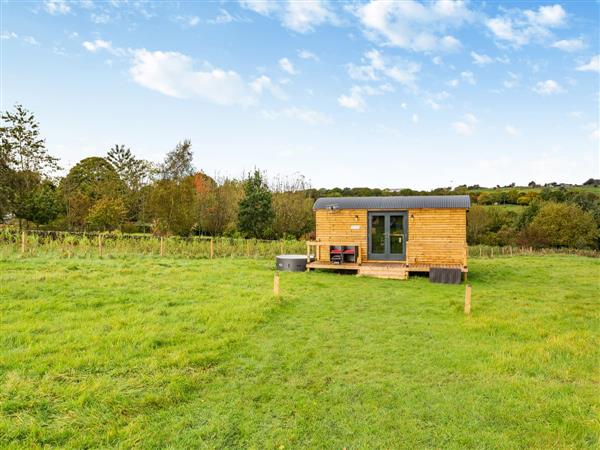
x=198 y=354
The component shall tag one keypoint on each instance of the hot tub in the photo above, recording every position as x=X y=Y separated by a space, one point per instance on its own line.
x=290 y=263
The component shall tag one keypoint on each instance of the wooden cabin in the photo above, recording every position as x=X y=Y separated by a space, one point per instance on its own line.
x=390 y=237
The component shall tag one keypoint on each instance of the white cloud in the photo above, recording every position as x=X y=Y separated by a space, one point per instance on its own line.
x=305 y=54
x=415 y=118
x=481 y=60
x=468 y=77
x=8 y=35
x=377 y=66
x=287 y=66
x=187 y=21
x=576 y=114
x=264 y=84
x=518 y=27
x=413 y=25
x=592 y=66
x=513 y=131
x=299 y=16
x=356 y=99
x=466 y=127
x=263 y=7
x=100 y=19
x=303 y=16
x=101 y=44
x=173 y=74
x=98 y=44
x=512 y=82
x=569 y=45
x=55 y=7
x=553 y=15
x=453 y=83
x=31 y=41
x=437 y=61
x=308 y=116
x=548 y=87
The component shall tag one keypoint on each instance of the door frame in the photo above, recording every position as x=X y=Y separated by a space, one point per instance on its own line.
x=387 y=256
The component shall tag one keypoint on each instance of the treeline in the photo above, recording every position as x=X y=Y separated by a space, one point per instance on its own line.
x=123 y=192
x=541 y=224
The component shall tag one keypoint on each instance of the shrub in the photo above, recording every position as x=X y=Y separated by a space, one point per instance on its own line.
x=561 y=225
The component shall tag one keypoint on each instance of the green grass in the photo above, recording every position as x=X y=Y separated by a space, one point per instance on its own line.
x=151 y=353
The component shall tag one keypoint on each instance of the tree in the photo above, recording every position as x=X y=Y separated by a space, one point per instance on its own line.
x=218 y=206
x=562 y=225
x=24 y=160
x=43 y=204
x=255 y=216
x=21 y=146
x=89 y=181
x=107 y=214
x=178 y=163
x=135 y=174
x=293 y=209
x=173 y=206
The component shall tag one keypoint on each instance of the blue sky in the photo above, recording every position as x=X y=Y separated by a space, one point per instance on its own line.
x=380 y=94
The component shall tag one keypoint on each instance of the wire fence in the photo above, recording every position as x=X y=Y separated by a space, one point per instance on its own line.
x=84 y=244
x=501 y=251
x=93 y=244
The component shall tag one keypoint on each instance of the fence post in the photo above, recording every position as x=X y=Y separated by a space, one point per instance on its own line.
x=162 y=246
x=480 y=251
x=23 y=238
x=100 y=244
x=212 y=248
x=276 y=285
x=511 y=250
x=492 y=252
x=247 y=248
x=468 y=299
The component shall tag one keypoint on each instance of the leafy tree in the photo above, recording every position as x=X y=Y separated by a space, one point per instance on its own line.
x=173 y=206
x=43 y=204
x=562 y=225
x=178 y=163
x=255 y=216
x=89 y=181
x=135 y=175
x=293 y=209
x=218 y=206
x=24 y=160
x=107 y=214
x=21 y=146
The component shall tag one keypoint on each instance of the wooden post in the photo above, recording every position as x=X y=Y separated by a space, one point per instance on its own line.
x=511 y=250
x=100 y=244
x=247 y=248
x=492 y=252
x=212 y=248
x=468 y=299
x=162 y=246
x=23 y=238
x=276 y=285
x=480 y=251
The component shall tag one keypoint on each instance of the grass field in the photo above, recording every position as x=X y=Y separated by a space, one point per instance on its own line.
x=155 y=353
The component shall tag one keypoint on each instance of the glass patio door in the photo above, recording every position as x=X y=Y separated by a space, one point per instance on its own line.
x=387 y=236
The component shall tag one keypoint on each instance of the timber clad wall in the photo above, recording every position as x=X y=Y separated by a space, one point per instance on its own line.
x=435 y=236
x=336 y=226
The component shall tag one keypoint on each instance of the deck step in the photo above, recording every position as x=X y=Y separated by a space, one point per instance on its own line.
x=384 y=271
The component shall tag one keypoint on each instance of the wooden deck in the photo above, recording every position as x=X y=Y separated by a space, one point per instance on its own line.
x=393 y=270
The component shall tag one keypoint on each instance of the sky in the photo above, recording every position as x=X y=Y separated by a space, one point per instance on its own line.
x=367 y=93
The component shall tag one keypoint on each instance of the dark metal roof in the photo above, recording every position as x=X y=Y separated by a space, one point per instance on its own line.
x=411 y=202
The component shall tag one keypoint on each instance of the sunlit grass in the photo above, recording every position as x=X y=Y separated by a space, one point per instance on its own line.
x=156 y=352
